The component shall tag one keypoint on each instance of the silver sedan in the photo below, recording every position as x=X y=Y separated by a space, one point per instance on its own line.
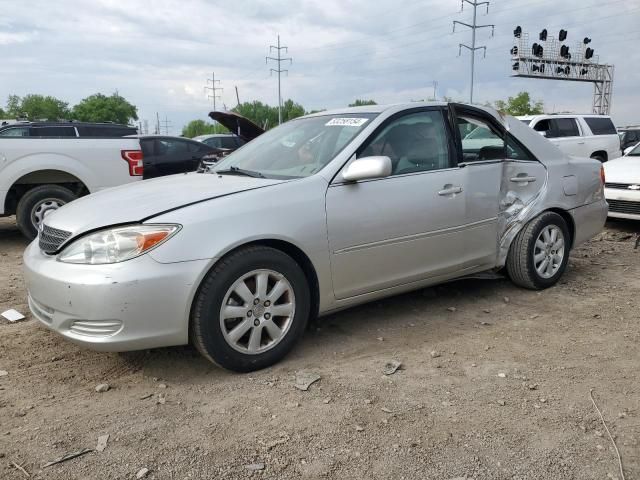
x=322 y=213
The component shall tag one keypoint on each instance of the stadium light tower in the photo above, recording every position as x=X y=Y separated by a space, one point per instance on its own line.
x=549 y=58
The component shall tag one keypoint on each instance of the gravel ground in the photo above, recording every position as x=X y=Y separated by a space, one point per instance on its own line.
x=494 y=384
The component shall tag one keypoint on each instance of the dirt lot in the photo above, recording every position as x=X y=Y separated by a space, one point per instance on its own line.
x=495 y=384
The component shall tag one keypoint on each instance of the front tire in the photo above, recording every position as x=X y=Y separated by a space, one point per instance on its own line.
x=37 y=203
x=539 y=254
x=251 y=310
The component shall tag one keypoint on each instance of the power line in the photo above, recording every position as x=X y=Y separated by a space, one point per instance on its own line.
x=279 y=59
x=213 y=89
x=474 y=26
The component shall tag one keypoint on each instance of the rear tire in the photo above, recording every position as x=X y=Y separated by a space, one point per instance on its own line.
x=539 y=254
x=37 y=203
x=262 y=325
x=598 y=157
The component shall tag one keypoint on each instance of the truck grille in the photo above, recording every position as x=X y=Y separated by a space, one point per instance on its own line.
x=619 y=186
x=51 y=238
x=624 y=206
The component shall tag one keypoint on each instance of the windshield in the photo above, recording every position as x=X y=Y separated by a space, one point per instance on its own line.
x=635 y=152
x=298 y=148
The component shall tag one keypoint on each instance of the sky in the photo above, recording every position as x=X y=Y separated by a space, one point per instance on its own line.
x=158 y=54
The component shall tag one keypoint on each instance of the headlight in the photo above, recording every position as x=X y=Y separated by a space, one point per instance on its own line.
x=116 y=244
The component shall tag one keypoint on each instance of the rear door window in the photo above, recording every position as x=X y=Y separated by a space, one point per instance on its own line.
x=601 y=125
x=213 y=142
x=53 y=131
x=229 y=142
x=167 y=146
x=480 y=141
x=565 y=127
x=15 y=132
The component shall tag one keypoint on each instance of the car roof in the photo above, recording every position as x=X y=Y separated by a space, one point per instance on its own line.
x=143 y=136
x=376 y=108
x=213 y=135
x=69 y=123
x=553 y=115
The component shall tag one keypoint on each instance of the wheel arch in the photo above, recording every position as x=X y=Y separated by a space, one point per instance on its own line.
x=293 y=251
x=566 y=216
x=35 y=178
x=602 y=154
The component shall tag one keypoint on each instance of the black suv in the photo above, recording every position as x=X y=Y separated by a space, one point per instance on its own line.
x=66 y=129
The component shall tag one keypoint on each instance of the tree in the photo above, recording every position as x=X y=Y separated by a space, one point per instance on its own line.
x=200 y=127
x=521 y=104
x=100 y=108
x=361 y=103
x=265 y=115
x=37 y=107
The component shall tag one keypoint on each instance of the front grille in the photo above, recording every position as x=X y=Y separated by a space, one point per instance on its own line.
x=619 y=186
x=624 y=206
x=51 y=238
x=96 y=328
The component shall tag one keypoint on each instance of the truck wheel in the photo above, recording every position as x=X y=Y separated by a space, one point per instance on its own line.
x=599 y=157
x=539 y=254
x=37 y=203
x=251 y=309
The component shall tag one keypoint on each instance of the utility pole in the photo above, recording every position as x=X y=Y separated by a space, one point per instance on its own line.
x=474 y=26
x=237 y=96
x=435 y=89
x=213 y=88
x=167 y=124
x=157 y=123
x=279 y=70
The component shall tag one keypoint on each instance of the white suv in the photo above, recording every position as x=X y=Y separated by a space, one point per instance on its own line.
x=592 y=136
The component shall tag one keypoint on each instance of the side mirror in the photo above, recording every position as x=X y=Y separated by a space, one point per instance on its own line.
x=544 y=133
x=367 y=167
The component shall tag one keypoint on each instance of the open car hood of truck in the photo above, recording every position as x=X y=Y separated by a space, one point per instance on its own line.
x=237 y=124
x=141 y=201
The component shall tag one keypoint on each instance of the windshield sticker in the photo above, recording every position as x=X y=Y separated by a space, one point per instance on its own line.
x=346 y=122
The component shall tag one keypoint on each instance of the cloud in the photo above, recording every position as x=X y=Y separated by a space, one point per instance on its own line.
x=158 y=54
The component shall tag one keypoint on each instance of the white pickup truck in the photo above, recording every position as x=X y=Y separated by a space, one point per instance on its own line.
x=592 y=136
x=38 y=175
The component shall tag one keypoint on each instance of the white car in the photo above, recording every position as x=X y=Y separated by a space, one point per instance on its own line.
x=592 y=136
x=40 y=174
x=622 y=187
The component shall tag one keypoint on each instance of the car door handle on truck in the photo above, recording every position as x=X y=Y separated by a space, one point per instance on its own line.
x=449 y=190
x=523 y=179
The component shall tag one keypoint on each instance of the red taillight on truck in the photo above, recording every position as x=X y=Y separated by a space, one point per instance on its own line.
x=602 y=174
x=134 y=159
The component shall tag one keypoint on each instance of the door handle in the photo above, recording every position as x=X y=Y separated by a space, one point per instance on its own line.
x=449 y=190
x=523 y=179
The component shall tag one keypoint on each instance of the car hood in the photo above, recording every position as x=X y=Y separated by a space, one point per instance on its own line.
x=622 y=170
x=241 y=126
x=141 y=201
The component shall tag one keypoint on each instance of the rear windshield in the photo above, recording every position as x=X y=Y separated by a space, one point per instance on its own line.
x=601 y=125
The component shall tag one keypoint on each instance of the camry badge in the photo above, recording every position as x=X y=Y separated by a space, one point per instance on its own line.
x=634 y=187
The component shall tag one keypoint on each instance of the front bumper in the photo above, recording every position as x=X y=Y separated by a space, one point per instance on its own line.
x=623 y=203
x=124 y=306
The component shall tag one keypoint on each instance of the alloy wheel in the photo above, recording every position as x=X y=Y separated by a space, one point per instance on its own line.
x=549 y=251
x=257 y=311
